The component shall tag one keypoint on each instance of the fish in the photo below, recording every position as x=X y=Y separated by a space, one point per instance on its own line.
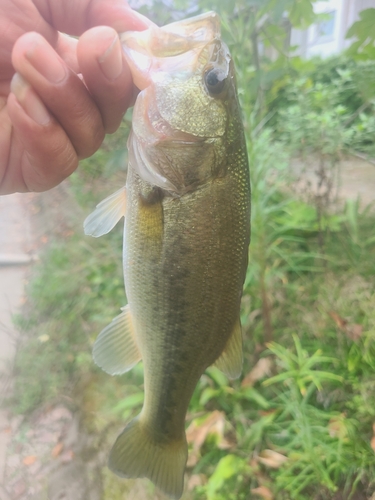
x=186 y=205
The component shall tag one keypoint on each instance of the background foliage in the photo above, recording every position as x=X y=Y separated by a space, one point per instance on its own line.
x=300 y=423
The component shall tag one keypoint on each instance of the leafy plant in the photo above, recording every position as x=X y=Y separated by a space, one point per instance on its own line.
x=363 y=31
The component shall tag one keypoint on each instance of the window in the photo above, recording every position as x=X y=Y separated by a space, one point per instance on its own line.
x=326 y=28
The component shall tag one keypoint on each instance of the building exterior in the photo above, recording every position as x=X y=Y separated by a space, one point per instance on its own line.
x=328 y=37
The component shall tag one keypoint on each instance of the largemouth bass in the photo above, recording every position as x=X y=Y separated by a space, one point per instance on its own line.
x=187 y=229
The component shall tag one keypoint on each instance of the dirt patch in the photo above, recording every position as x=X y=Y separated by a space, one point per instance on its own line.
x=45 y=461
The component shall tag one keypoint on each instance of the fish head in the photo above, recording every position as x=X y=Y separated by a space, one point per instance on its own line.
x=182 y=115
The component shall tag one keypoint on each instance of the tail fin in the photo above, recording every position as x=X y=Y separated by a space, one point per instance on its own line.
x=136 y=454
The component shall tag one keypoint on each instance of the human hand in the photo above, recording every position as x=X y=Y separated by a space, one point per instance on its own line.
x=49 y=117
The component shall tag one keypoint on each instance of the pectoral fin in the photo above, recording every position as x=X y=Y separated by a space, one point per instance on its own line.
x=115 y=349
x=231 y=359
x=106 y=215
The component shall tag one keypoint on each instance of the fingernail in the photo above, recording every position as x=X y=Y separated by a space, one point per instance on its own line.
x=29 y=100
x=45 y=60
x=111 y=61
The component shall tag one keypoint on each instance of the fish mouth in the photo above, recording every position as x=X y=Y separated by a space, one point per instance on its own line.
x=168 y=147
x=171 y=49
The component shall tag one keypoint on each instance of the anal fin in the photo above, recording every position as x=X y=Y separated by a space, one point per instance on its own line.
x=231 y=359
x=106 y=215
x=115 y=349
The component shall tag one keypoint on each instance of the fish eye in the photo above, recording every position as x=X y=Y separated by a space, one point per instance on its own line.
x=215 y=81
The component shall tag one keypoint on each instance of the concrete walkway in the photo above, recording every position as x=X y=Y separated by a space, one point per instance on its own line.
x=15 y=257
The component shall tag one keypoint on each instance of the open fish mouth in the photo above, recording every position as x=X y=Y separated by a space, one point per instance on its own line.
x=175 y=108
x=174 y=49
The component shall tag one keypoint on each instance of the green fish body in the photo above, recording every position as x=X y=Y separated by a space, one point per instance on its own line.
x=187 y=229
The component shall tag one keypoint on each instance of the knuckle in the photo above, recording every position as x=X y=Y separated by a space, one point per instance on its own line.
x=85 y=129
x=58 y=161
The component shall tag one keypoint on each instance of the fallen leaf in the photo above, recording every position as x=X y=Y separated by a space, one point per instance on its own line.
x=337 y=427
x=264 y=492
x=197 y=433
x=271 y=458
x=29 y=460
x=254 y=463
x=260 y=370
x=340 y=322
x=265 y=413
x=355 y=332
x=57 y=450
x=19 y=488
x=196 y=480
x=67 y=456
